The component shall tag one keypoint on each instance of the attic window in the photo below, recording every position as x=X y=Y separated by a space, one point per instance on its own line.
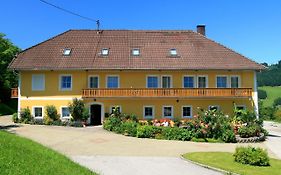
x=173 y=52
x=104 y=51
x=136 y=52
x=66 y=52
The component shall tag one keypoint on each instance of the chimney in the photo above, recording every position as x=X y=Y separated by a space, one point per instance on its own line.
x=201 y=29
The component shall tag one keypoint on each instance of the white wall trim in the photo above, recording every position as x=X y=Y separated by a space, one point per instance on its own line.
x=49 y=98
x=19 y=95
x=255 y=95
x=153 y=111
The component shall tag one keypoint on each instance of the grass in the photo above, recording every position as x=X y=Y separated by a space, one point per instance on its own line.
x=6 y=110
x=272 y=94
x=22 y=156
x=226 y=162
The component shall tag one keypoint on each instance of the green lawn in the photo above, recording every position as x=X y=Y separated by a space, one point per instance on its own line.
x=272 y=94
x=22 y=156
x=226 y=162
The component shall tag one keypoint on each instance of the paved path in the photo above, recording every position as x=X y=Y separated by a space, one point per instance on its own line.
x=110 y=153
x=273 y=141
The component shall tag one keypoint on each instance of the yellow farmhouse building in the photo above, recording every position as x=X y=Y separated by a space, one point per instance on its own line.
x=149 y=73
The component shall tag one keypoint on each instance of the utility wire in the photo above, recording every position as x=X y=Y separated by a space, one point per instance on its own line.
x=72 y=13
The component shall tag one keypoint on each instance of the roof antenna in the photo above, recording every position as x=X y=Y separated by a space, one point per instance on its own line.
x=98 y=25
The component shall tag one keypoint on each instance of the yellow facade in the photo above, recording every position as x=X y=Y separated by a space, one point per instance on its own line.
x=52 y=95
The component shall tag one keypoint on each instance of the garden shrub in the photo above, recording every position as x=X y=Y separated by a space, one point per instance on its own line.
x=252 y=156
x=250 y=131
x=15 y=118
x=52 y=113
x=112 y=123
x=76 y=109
x=25 y=115
x=47 y=120
x=277 y=115
x=129 y=128
x=277 y=102
x=228 y=136
x=262 y=94
x=147 y=131
x=86 y=114
x=175 y=133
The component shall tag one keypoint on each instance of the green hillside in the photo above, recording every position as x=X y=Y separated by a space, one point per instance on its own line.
x=272 y=93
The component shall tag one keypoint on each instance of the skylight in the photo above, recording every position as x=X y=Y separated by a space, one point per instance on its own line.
x=173 y=52
x=66 y=52
x=136 y=52
x=104 y=51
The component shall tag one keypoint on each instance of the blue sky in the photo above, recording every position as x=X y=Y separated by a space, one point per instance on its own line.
x=250 y=27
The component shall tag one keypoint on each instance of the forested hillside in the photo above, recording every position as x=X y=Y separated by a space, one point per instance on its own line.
x=270 y=76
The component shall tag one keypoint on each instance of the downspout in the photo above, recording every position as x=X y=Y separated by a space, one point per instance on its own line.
x=255 y=95
x=19 y=92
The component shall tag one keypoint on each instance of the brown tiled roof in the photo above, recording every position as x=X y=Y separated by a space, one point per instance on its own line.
x=195 y=52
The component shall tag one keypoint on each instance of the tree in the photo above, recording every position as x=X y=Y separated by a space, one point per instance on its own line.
x=8 y=79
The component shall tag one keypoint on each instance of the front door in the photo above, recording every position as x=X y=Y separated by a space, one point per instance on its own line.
x=95 y=114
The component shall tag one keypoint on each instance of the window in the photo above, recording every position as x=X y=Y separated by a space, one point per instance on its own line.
x=202 y=82
x=152 y=82
x=66 y=52
x=65 y=82
x=234 y=81
x=173 y=52
x=166 y=82
x=148 y=112
x=167 y=111
x=240 y=107
x=214 y=108
x=65 y=112
x=38 y=82
x=221 y=81
x=38 y=111
x=118 y=107
x=112 y=82
x=93 y=82
x=104 y=51
x=136 y=52
x=186 y=111
x=188 y=82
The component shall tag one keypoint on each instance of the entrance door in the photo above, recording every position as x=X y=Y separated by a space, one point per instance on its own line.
x=95 y=114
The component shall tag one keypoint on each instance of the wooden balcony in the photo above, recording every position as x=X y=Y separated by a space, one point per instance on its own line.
x=171 y=92
x=14 y=93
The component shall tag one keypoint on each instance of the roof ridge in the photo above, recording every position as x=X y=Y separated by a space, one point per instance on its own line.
x=136 y=30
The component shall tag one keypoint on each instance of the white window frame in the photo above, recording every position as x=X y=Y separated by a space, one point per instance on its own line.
x=61 y=113
x=190 y=111
x=113 y=106
x=65 y=50
x=135 y=49
x=194 y=80
x=102 y=51
x=33 y=111
x=171 y=82
x=106 y=80
x=158 y=81
x=227 y=80
x=32 y=82
x=207 y=80
x=172 y=111
x=173 y=50
x=218 y=107
x=239 y=80
x=89 y=82
x=153 y=112
x=60 y=80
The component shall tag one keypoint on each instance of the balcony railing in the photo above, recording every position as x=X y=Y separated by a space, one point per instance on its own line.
x=169 y=92
x=14 y=93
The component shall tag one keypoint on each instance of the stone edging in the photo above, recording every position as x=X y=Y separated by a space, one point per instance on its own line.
x=209 y=167
x=250 y=139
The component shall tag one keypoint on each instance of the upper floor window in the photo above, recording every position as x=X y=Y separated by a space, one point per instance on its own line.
x=66 y=51
x=166 y=81
x=188 y=82
x=38 y=82
x=104 y=52
x=93 y=82
x=152 y=82
x=136 y=52
x=173 y=52
x=113 y=82
x=202 y=81
x=221 y=81
x=234 y=81
x=186 y=111
x=65 y=82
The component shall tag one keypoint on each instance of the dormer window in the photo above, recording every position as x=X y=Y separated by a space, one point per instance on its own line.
x=173 y=52
x=104 y=52
x=66 y=52
x=136 y=52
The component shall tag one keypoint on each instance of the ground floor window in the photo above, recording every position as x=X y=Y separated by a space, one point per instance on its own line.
x=167 y=111
x=240 y=107
x=214 y=108
x=186 y=112
x=118 y=107
x=38 y=111
x=65 y=112
x=148 y=112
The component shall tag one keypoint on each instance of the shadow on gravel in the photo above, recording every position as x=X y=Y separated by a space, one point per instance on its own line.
x=7 y=127
x=272 y=135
